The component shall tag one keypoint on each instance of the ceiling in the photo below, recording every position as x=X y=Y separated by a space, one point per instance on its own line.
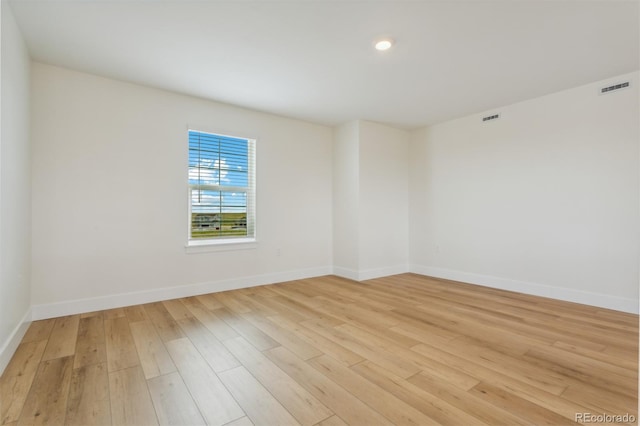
x=314 y=60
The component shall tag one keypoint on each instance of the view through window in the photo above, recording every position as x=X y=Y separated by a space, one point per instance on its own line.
x=221 y=186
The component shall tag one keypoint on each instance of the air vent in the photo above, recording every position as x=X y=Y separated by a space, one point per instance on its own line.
x=491 y=117
x=615 y=87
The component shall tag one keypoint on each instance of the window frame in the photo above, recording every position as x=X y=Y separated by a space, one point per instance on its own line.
x=225 y=242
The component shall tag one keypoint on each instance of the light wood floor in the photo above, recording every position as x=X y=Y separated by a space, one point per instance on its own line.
x=405 y=350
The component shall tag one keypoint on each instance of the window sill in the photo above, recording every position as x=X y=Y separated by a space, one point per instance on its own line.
x=221 y=245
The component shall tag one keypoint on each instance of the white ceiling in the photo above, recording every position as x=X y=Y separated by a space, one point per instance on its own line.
x=314 y=60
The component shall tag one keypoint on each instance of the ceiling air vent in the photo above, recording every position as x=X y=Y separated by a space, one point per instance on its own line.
x=615 y=87
x=491 y=117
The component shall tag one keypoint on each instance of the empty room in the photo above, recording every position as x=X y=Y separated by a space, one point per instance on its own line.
x=326 y=213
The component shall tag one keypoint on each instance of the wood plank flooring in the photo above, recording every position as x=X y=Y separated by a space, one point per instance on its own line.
x=403 y=350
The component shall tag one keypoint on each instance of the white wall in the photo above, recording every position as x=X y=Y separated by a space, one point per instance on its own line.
x=15 y=182
x=110 y=194
x=346 y=199
x=543 y=200
x=371 y=218
x=384 y=200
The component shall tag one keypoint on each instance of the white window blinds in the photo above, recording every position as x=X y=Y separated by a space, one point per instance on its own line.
x=221 y=186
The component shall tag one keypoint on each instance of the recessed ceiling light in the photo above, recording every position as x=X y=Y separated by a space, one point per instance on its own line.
x=384 y=44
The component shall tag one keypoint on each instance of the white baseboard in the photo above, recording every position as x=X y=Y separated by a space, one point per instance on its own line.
x=346 y=273
x=9 y=347
x=72 y=307
x=560 y=293
x=369 y=274
x=78 y=306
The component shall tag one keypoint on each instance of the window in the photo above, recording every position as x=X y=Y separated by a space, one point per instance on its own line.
x=221 y=188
